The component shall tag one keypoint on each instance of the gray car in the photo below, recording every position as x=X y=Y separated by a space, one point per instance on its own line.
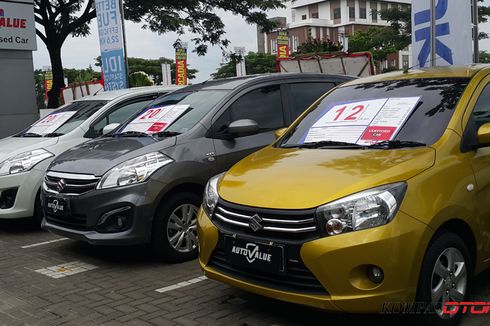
x=143 y=183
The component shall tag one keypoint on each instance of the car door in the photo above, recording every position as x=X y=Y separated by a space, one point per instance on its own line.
x=264 y=105
x=479 y=157
x=119 y=114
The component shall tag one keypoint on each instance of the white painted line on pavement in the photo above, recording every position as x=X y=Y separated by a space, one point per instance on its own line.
x=66 y=269
x=43 y=243
x=182 y=284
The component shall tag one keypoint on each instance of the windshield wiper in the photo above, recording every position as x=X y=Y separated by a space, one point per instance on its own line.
x=388 y=144
x=167 y=133
x=29 y=134
x=324 y=143
x=54 y=134
x=132 y=134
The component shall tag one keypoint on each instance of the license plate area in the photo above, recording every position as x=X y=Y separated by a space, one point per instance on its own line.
x=254 y=255
x=57 y=206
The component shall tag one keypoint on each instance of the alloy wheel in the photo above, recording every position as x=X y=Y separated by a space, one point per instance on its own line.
x=182 y=228
x=449 y=280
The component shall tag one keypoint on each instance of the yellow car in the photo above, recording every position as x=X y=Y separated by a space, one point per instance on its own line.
x=377 y=195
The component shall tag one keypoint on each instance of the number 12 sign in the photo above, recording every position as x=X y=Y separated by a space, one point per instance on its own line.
x=358 y=113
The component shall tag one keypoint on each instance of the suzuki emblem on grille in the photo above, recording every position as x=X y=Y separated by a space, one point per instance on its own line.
x=255 y=223
x=61 y=185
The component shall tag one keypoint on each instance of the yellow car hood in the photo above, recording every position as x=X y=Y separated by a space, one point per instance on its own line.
x=306 y=178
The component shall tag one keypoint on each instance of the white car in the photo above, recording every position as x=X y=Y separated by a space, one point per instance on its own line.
x=25 y=157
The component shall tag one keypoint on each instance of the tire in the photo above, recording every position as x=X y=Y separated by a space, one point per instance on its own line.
x=173 y=241
x=435 y=280
x=38 y=211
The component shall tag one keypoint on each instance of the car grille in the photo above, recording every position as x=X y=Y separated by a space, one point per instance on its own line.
x=296 y=277
x=77 y=222
x=71 y=184
x=266 y=223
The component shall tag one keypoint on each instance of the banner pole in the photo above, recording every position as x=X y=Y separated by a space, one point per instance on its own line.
x=433 y=33
x=126 y=63
x=476 y=46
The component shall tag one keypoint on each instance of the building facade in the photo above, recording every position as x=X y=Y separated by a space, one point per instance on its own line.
x=334 y=20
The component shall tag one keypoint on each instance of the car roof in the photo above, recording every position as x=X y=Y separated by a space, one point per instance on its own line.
x=236 y=82
x=112 y=95
x=436 y=72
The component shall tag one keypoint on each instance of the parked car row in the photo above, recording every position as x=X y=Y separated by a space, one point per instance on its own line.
x=376 y=193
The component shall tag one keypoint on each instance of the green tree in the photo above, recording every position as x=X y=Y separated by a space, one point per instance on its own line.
x=312 y=46
x=39 y=84
x=139 y=78
x=58 y=19
x=81 y=75
x=255 y=63
x=484 y=57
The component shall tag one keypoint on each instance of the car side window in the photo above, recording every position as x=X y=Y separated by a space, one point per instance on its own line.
x=305 y=94
x=119 y=115
x=263 y=105
x=479 y=116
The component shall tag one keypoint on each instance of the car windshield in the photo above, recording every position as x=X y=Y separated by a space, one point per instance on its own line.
x=63 y=120
x=172 y=114
x=412 y=112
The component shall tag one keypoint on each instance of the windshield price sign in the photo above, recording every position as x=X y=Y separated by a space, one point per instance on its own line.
x=156 y=119
x=364 y=122
x=50 y=123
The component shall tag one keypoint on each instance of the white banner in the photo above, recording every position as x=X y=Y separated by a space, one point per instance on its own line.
x=453 y=29
x=109 y=22
x=17 y=28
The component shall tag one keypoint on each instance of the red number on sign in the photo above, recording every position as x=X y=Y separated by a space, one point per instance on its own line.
x=354 y=116
x=339 y=113
x=150 y=114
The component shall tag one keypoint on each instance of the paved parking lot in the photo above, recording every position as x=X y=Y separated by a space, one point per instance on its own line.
x=48 y=280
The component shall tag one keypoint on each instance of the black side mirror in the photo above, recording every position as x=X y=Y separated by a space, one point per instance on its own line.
x=244 y=127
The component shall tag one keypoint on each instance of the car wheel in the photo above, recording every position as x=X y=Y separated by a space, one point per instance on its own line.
x=38 y=211
x=174 y=236
x=445 y=275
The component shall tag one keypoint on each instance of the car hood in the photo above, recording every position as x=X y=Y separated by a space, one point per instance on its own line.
x=12 y=146
x=307 y=178
x=99 y=156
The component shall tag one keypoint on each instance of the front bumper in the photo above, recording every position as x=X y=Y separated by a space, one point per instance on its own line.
x=339 y=263
x=27 y=185
x=91 y=207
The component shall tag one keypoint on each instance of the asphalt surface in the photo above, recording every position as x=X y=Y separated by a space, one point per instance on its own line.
x=48 y=280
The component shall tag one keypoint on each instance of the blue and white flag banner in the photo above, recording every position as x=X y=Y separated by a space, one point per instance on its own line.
x=453 y=29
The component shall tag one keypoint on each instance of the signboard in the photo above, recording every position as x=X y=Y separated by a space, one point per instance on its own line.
x=17 y=26
x=452 y=28
x=241 y=69
x=362 y=122
x=48 y=83
x=111 y=41
x=181 y=66
x=282 y=45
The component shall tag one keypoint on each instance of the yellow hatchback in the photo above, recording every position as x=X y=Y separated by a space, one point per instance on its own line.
x=377 y=195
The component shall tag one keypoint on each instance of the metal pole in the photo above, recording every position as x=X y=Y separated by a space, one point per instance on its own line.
x=476 y=46
x=433 y=33
x=126 y=63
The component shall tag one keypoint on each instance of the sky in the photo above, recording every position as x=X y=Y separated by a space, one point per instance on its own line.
x=80 y=52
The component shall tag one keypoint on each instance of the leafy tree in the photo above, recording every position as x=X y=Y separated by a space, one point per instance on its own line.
x=39 y=83
x=484 y=57
x=58 y=19
x=153 y=67
x=318 y=46
x=81 y=75
x=255 y=63
x=139 y=78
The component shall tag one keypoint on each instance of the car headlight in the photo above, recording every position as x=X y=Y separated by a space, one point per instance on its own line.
x=366 y=209
x=133 y=171
x=23 y=162
x=211 y=196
